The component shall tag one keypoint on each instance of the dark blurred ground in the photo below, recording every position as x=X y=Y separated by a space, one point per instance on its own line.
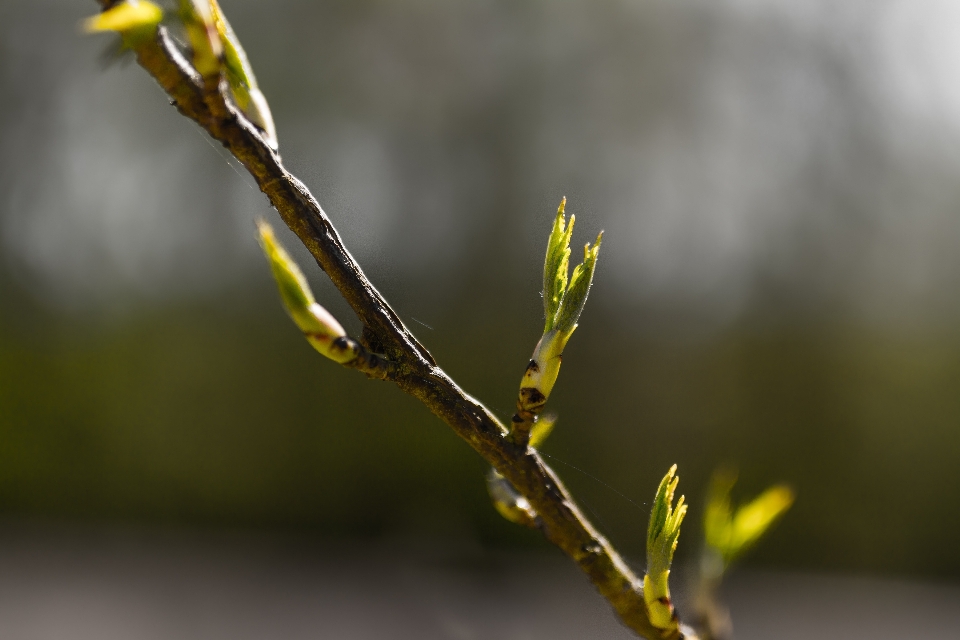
x=778 y=286
x=138 y=585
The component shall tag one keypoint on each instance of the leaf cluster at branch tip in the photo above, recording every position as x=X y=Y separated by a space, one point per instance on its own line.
x=662 y=535
x=214 y=49
x=731 y=532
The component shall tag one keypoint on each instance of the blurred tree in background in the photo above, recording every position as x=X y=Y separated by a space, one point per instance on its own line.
x=778 y=184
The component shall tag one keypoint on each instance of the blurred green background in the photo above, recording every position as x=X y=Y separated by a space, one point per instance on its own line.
x=778 y=182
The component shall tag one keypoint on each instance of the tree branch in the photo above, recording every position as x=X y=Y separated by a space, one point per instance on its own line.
x=413 y=369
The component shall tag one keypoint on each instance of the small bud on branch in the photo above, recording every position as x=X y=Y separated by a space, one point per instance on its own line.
x=320 y=328
x=508 y=501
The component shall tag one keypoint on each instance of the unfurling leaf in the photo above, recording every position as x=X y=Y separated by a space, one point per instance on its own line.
x=662 y=536
x=320 y=328
x=575 y=298
x=556 y=265
x=563 y=301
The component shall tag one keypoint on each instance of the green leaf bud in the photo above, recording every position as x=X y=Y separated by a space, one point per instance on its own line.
x=242 y=82
x=321 y=329
x=198 y=21
x=663 y=533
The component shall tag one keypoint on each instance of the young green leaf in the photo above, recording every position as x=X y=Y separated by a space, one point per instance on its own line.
x=754 y=518
x=575 y=298
x=556 y=265
x=662 y=536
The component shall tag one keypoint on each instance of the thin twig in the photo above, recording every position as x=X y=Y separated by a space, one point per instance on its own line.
x=414 y=369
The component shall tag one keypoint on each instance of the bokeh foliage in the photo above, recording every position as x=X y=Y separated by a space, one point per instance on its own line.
x=216 y=413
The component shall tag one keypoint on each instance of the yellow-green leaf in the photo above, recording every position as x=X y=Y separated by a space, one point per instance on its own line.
x=575 y=298
x=754 y=518
x=125 y=16
x=541 y=429
x=556 y=265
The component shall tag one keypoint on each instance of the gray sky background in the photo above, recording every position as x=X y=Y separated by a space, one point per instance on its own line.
x=728 y=147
